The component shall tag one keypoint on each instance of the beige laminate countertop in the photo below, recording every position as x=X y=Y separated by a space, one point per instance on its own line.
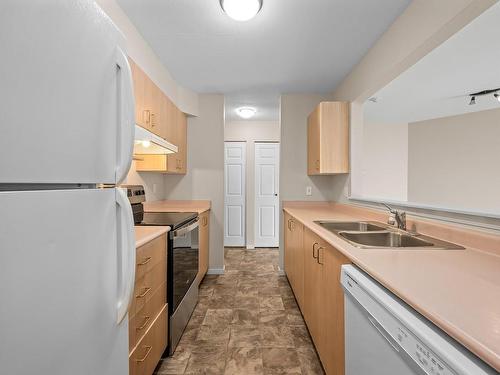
x=458 y=290
x=144 y=234
x=199 y=206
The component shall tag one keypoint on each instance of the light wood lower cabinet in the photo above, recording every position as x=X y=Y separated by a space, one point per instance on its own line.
x=204 y=220
x=294 y=256
x=146 y=355
x=148 y=310
x=324 y=300
x=318 y=282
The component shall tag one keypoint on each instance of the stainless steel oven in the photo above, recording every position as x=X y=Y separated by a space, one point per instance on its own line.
x=182 y=289
x=182 y=261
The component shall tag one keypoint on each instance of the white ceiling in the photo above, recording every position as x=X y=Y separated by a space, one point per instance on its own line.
x=439 y=84
x=267 y=106
x=291 y=46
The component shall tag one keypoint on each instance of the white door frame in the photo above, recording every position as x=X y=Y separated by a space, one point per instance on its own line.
x=270 y=199
x=235 y=195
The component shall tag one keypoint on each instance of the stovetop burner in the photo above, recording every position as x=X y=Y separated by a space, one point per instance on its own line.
x=173 y=219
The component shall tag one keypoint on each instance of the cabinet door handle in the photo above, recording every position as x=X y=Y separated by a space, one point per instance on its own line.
x=143 y=294
x=146 y=322
x=317 y=164
x=319 y=251
x=146 y=116
x=148 y=350
x=314 y=249
x=144 y=262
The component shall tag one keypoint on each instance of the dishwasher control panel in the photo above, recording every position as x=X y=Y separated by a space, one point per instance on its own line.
x=395 y=332
x=422 y=355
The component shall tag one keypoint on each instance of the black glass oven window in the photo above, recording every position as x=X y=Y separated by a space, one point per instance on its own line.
x=185 y=265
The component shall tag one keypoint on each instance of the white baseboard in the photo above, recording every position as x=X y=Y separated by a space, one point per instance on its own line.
x=281 y=272
x=216 y=271
x=250 y=247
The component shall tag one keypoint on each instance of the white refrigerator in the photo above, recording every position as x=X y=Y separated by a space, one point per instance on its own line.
x=67 y=248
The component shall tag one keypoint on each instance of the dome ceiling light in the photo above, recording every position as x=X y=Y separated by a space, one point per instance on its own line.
x=246 y=112
x=241 y=10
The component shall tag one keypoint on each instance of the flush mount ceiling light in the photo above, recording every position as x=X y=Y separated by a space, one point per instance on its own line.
x=246 y=112
x=241 y=10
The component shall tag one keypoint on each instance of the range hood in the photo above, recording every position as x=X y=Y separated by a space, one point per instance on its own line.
x=147 y=143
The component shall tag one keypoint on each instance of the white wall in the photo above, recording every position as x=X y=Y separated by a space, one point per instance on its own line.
x=154 y=183
x=422 y=27
x=251 y=132
x=140 y=51
x=455 y=162
x=385 y=161
x=205 y=170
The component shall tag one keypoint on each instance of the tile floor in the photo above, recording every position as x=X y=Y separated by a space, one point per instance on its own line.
x=246 y=322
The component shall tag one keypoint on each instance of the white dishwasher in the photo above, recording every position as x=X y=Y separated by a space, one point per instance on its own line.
x=384 y=336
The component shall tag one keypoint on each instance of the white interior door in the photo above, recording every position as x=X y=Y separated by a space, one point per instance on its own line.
x=234 y=193
x=267 y=194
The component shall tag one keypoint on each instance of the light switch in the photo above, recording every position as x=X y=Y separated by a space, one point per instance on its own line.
x=309 y=191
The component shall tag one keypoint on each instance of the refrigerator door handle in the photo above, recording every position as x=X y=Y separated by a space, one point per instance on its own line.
x=126 y=116
x=126 y=254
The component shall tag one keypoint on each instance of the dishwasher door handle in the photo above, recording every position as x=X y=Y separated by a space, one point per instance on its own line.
x=384 y=333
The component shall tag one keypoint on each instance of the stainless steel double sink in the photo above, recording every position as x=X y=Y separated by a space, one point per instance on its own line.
x=374 y=235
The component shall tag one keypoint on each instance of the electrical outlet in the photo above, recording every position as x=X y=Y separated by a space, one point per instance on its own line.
x=309 y=191
x=155 y=188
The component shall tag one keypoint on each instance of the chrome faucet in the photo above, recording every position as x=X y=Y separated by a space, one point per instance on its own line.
x=397 y=218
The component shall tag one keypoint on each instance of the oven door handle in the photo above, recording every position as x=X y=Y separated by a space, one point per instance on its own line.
x=183 y=230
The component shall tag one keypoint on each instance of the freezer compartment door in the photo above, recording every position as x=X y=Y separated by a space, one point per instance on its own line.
x=65 y=277
x=67 y=105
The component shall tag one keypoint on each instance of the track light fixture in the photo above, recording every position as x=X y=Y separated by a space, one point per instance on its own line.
x=495 y=93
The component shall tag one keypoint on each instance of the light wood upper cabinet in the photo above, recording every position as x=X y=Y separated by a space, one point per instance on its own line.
x=328 y=139
x=139 y=80
x=155 y=112
x=204 y=220
x=182 y=142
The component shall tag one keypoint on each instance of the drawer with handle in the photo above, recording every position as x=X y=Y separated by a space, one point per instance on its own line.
x=146 y=355
x=142 y=320
x=145 y=286
x=149 y=255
